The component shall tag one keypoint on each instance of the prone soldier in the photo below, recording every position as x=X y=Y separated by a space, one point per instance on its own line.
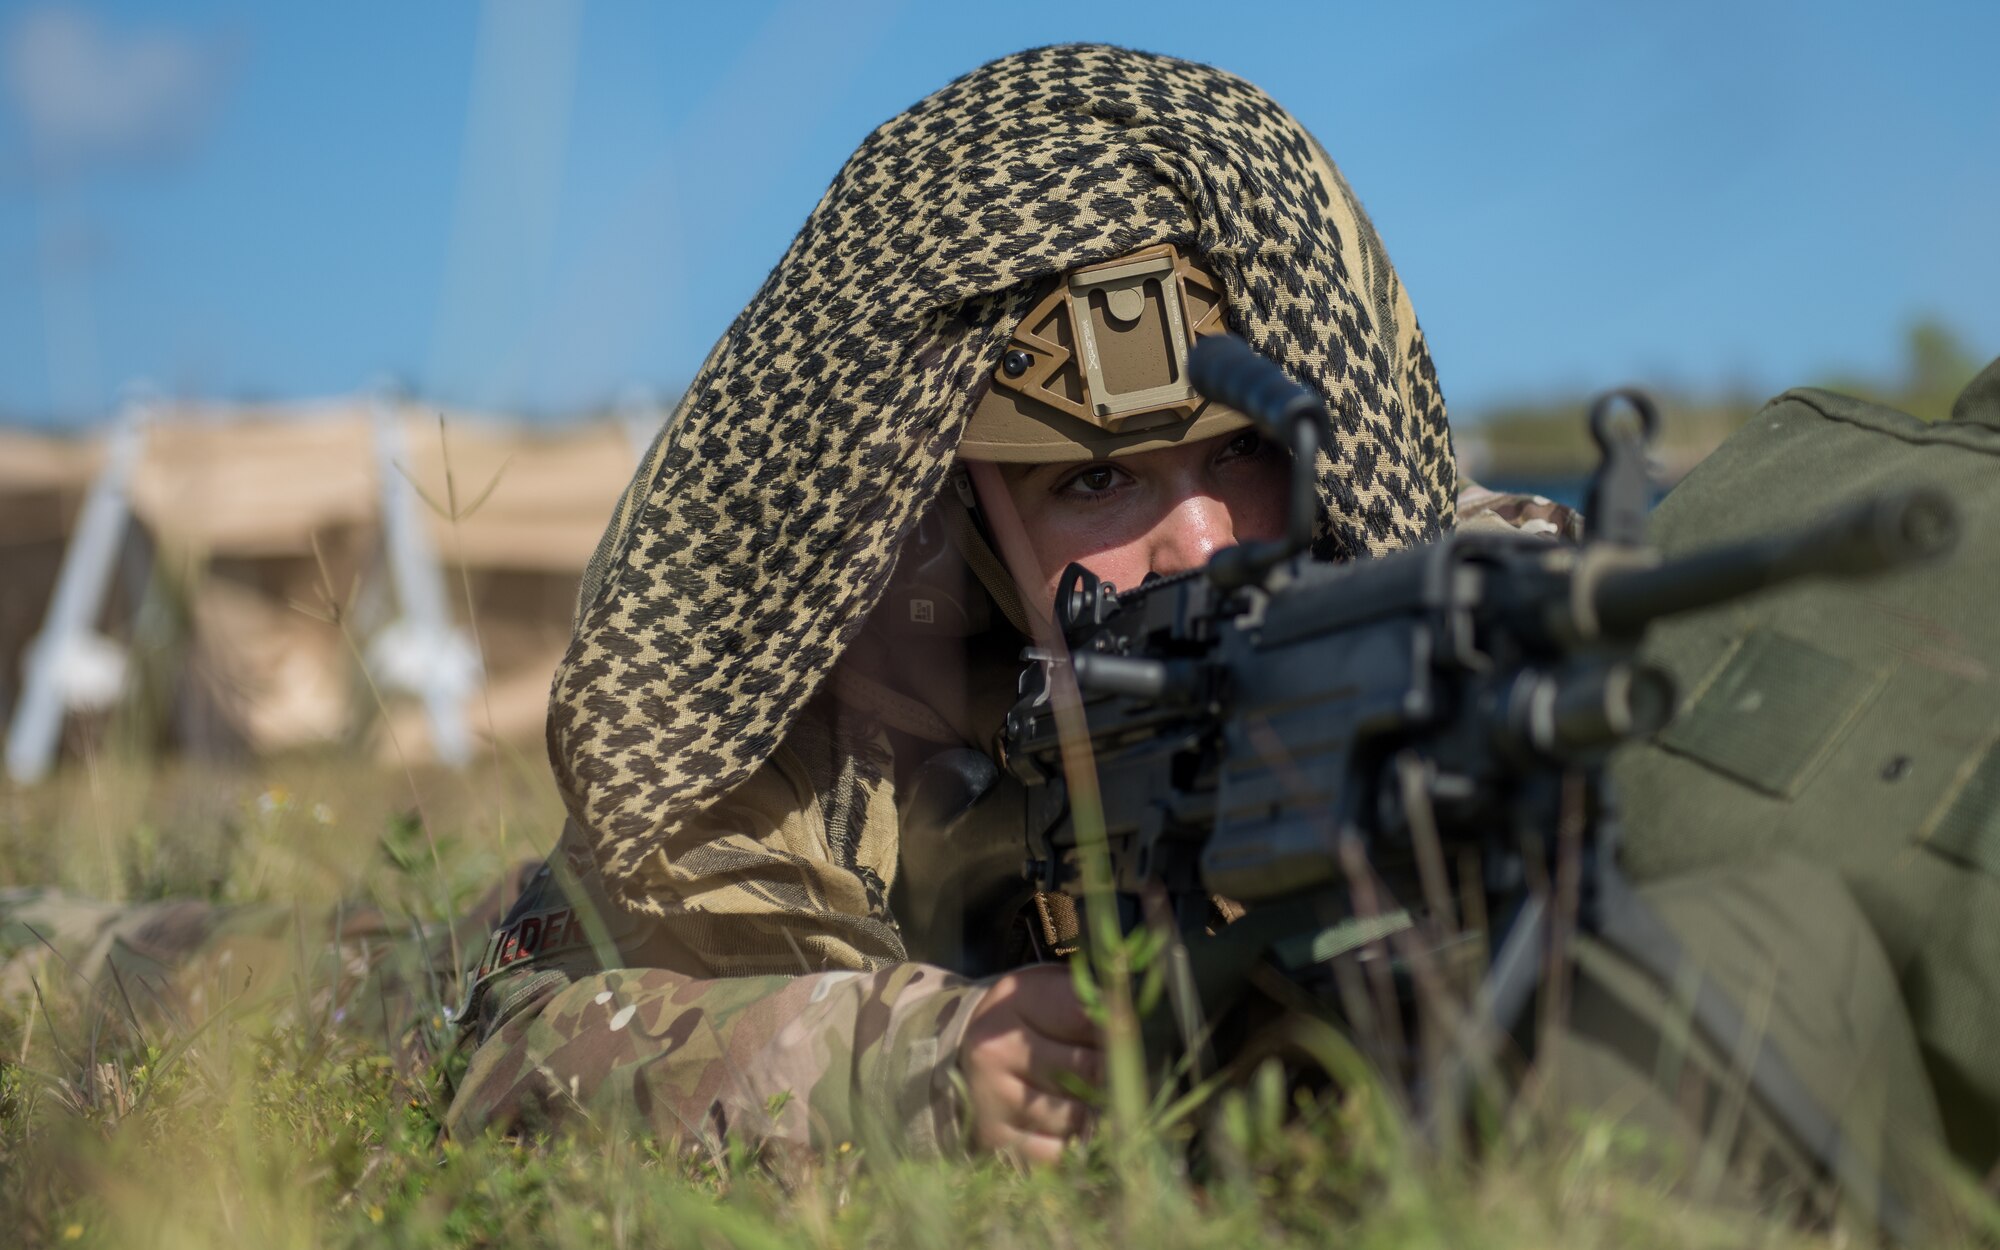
x=801 y=602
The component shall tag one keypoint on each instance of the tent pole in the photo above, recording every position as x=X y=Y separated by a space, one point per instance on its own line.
x=35 y=731
x=437 y=662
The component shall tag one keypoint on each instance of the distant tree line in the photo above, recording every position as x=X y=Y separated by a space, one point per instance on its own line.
x=1548 y=439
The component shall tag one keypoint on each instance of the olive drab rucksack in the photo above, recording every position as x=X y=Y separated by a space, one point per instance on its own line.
x=1853 y=725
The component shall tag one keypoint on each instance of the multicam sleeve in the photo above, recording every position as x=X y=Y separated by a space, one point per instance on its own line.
x=771 y=1001
x=1526 y=514
x=792 y=1064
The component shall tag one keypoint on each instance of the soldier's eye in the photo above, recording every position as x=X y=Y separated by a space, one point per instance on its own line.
x=1247 y=443
x=1092 y=481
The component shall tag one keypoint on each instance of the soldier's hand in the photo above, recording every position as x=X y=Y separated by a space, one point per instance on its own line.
x=1026 y=1034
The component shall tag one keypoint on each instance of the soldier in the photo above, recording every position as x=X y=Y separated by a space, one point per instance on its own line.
x=980 y=329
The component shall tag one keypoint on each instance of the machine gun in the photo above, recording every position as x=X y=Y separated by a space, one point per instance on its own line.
x=1402 y=742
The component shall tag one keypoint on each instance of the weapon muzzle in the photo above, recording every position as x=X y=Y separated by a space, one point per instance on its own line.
x=1874 y=536
x=1609 y=705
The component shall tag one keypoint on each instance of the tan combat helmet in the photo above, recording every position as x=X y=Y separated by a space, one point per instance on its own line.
x=1098 y=368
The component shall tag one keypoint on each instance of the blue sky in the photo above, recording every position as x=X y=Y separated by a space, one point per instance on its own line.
x=540 y=204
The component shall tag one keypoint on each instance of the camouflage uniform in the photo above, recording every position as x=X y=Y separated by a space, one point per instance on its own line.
x=779 y=1003
x=1534 y=515
x=52 y=941
x=175 y=963
x=800 y=1064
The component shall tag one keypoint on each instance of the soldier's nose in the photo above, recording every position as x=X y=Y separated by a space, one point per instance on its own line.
x=1188 y=535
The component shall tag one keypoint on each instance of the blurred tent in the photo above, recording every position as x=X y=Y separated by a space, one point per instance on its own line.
x=363 y=572
x=42 y=484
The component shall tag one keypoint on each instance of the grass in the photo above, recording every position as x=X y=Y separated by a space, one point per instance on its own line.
x=255 y=1109
x=263 y=1121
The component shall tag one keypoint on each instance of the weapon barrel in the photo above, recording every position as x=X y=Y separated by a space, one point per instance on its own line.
x=1874 y=536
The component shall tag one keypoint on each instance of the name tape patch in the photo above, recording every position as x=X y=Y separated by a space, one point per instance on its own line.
x=531 y=937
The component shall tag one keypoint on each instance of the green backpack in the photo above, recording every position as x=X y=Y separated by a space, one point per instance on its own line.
x=1854 y=725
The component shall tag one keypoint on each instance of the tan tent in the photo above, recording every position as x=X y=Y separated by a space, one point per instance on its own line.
x=515 y=559
x=271 y=531
x=42 y=482
x=245 y=510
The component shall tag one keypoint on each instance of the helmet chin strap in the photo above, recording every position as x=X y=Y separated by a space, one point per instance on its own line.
x=967 y=528
x=948 y=576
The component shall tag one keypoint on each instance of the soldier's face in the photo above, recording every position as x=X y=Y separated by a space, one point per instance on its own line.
x=1159 y=512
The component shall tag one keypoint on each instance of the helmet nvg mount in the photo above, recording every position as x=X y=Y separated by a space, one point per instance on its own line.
x=1098 y=367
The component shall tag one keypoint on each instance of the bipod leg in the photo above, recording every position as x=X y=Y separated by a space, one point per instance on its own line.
x=1503 y=995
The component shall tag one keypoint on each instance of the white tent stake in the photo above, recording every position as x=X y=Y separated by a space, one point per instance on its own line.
x=69 y=630
x=422 y=651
